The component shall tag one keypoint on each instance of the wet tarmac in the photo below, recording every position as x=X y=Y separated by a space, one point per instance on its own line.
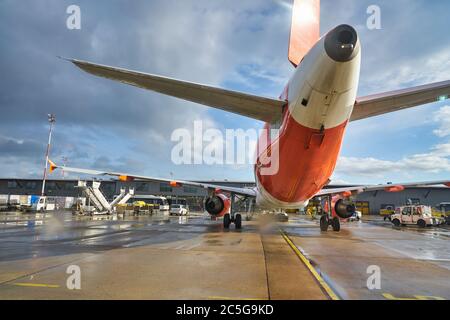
x=413 y=263
x=161 y=257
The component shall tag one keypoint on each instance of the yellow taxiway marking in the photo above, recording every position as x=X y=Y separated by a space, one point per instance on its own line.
x=41 y=285
x=391 y=297
x=313 y=271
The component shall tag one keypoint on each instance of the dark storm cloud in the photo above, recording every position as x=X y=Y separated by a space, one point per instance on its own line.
x=193 y=40
x=19 y=148
x=143 y=36
x=34 y=79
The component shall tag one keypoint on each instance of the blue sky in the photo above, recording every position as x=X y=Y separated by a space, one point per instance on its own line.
x=237 y=45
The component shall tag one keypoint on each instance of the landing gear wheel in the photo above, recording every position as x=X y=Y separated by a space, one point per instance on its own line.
x=336 y=224
x=324 y=223
x=226 y=221
x=421 y=224
x=238 y=221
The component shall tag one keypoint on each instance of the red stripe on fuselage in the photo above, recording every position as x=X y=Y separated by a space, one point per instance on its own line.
x=307 y=158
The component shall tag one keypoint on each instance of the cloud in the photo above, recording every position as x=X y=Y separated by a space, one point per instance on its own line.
x=409 y=72
x=436 y=160
x=201 y=41
x=432 y=162
x=11 y=147
x=443 y=117
x=104 y=123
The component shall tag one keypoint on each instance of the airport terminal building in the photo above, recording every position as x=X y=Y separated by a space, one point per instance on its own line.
x=372 y=201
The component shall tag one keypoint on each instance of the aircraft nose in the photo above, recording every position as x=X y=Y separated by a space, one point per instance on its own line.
x=341 y=43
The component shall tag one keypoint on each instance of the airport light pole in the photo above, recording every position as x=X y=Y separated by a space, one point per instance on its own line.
x=51 y=120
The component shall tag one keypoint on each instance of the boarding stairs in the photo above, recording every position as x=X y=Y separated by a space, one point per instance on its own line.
x=98 y=200
x=123 y=197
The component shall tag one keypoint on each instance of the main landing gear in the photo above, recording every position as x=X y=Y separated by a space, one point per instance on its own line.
x=232 y=217
x=327 y=219
x=325 y=222
x=228 y=219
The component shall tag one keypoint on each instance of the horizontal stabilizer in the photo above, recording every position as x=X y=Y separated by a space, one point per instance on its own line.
x=256 y=107
x=377 y=104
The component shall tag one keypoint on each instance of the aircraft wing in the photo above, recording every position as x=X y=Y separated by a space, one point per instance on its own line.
x=377 y=104
x=256 y=107
x=251 y=192
x=171 y=182
x=385 y=187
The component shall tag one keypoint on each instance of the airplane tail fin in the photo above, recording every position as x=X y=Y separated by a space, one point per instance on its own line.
x=305 y=29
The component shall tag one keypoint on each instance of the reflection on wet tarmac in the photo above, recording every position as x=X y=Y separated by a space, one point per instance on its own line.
x=153 y=250
x=182 y=220
x=57 y=233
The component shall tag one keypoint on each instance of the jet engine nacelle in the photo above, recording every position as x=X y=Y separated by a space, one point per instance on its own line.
x=343 y=208
x=217 y=205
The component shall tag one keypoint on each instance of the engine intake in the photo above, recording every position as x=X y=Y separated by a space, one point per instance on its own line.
x=344 y=208
x=217 y=205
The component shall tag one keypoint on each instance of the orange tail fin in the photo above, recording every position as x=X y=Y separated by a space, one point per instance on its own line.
x=305 y=29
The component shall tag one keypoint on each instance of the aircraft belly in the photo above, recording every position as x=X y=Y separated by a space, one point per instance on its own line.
x=306 y=160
